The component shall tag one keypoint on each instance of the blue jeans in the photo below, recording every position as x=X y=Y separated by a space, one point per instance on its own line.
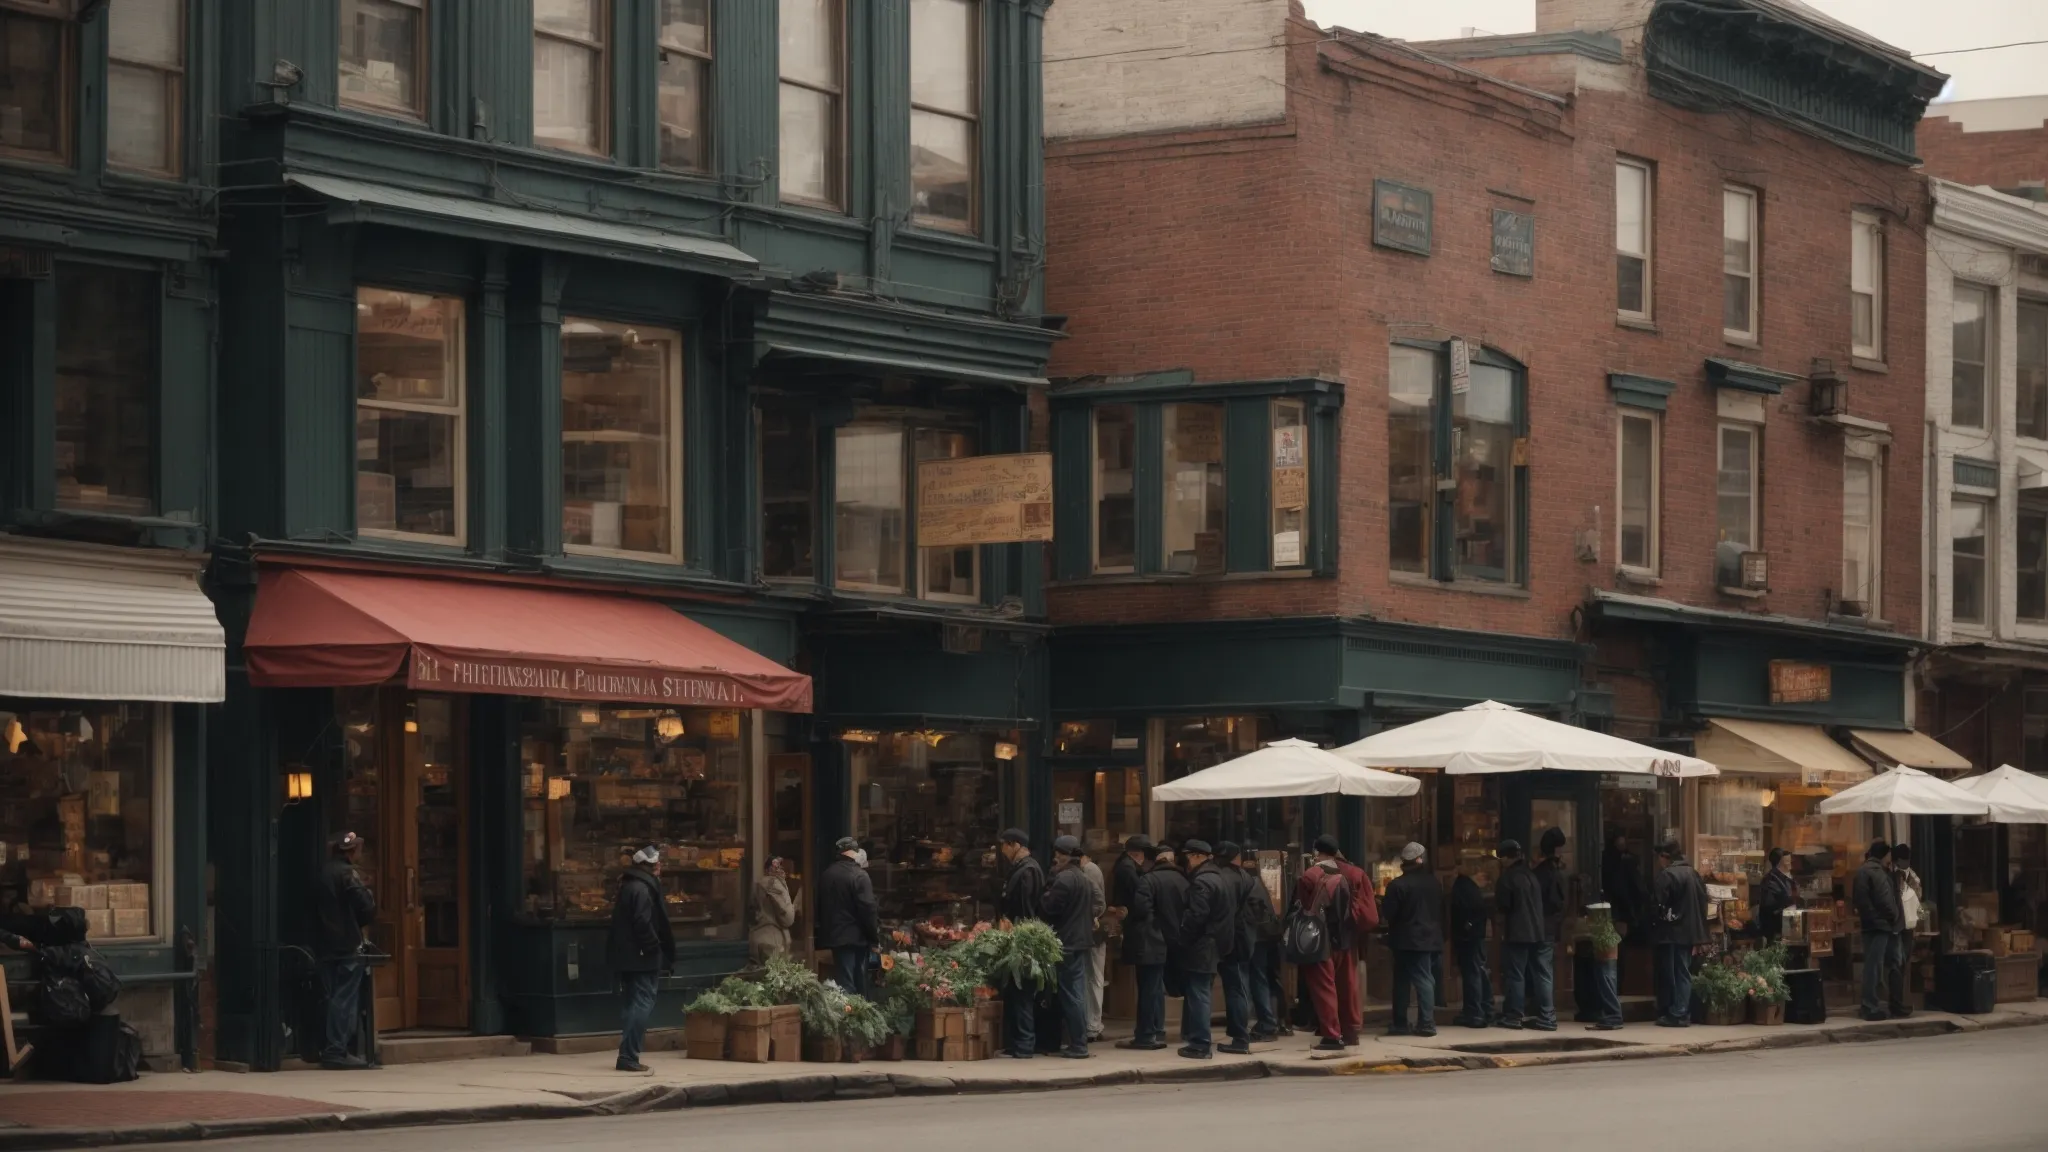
x=1020 y=1020
x=341 y=982
x=639 y=988
x=1879 y=950
x=1194 y=1010
x=1527 y=971
x=1674 y=983
x=1416 y=970
x=1478 y=982
x=1265 y=980
x=1073 y=975
x=850 y=968
x=1607 y=993
x=1237 y=999
x=1151 y=1004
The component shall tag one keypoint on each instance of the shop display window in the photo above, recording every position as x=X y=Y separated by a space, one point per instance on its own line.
x=1195 y=743
x=1099 y=807
x=622 y=391
x=929 y=808
x=79 y=805
x=1392 y=822
x=106 y=388
x=1732 y=840
x=600 y=782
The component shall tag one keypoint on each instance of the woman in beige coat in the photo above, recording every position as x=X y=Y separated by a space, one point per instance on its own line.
x=774 y=912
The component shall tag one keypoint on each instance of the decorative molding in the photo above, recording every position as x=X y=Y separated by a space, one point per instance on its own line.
x=1982 y=214
x=1640 y=391
x=1724 y=373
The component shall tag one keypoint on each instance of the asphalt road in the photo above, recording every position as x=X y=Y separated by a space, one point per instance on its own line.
x=1982 y=1093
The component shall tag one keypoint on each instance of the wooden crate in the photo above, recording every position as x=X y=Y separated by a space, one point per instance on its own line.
x=704 y=1036
x=748 y=1037
x=785 y=1034
x=942 y=1024
x=2018 y=977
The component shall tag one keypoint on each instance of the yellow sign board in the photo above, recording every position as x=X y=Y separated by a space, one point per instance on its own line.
x=984 y=500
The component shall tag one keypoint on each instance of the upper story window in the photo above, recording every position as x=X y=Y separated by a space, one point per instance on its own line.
x=2030 y=588
x=1632 y=228
x=622 y=391
x=812 y=169
x=870 y=509
x=1971 y=353
x=146 y=86
x=684 y=84
x=1969 y=526
x=2030 y=379
x=37 y=58
x=1738 y=262
x=106 y=389
x=572 y=75
x=410 y=481
x=1866 y=286
x=789 y=486
x=1115 y=536
x=1192 y=493
x=947 y=573
x=945 y=110
x=1454 y=486
x=1639 y=476
x=383 y=56
x=1862 y=534
x=1290 y=483
x=1735 y=500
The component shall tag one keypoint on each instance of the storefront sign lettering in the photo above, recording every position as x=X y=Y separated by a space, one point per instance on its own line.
x=984 y=500
x=1402 y=216
x=1514 y=243
x=1798 y=682
x=538 y=678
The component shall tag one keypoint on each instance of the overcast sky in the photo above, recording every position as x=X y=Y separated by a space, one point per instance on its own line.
x=1919 y=26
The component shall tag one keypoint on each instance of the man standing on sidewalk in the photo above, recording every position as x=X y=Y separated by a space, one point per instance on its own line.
x=849 y=919
x=1070 y=906
x=1364 y=917
x=343 y=907
x=642 y=948
x=1549 y=872
x=1413 y=916
x=1098 y=951
x=1520 y=898
x=1260 y=924
x=1235 y=967
x=1207 y=932
x=1150 y=933
x=1323 y=892
x=1023 y=891
x=1906 y=883
x=1876 y=900
x=1469 y=917
x=1680 y=900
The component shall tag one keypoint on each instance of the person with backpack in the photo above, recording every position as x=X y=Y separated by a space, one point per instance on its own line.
x=1414 y=922
x=1365 y=917
x=1519 y=895
x=1156 y=903
x=1263 y=922
x=1469 y=918
x=342 y=907
x=1208 y=932
x=1319 y=939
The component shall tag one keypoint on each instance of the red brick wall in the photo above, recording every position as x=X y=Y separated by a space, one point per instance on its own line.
x=1999 y=159
x=1248 y=254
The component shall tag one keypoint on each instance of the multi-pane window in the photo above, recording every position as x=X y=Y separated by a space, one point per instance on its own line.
x=1116 y=497
x=622 y=393
x=383 y=55
x=2030 y=589
x=1738 y=262
x=945 y=110
x=571 y=75
x=36 y=60
x=1290 y=484
x=1637 y=495
x=789 y=485
x=106 y=389
x=1483 y=451
x=1735 y=502
x=1969 y=531
x=1454 y=483
x=146 y=85
x=1862 y=499
x=409 y=408
x=1970 y=320
x=683 y=86
x=1632 y=193
x=1866 y=286
x=952 y=573
x=813 y=68
x=1193 y=492
x=870 y=505
x=2030 y=379
x=1411 y=470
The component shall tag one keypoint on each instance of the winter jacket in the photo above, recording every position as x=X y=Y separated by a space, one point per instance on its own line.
x=1257 y=919
x=1413 y=911
x=1098 y=897
x=641 y=940
x=1208 y=930
x=1123 y=880
x=1519 y=896
x=1069 y=906
x=342 y=907
x=1365 y=906
x=1156 y=907
x=1876 y=899
x=1681 y=901
x=1621 y=885
x=774 y=912
x=1776 y=893
x=1327 y=878
x=1023 y=890
x=1550 y=878
x=848 y=916
x=1469 y=912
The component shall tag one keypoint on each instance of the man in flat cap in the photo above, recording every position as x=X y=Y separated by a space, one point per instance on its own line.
x=1236 y=966
x=1023 y=892
x=1069 y=906
x=1413 y=917
x=1519 y=897
x=642 y=948
x=1151 y=935
x=1208 y=931
x=849 y=919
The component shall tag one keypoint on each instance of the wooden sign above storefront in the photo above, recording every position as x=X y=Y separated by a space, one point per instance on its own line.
x=1799 y=682
x=984 y=500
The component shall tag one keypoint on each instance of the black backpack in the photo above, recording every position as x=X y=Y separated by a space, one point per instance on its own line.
x=84 y=966
x=1307 y=938
x=63 y=1003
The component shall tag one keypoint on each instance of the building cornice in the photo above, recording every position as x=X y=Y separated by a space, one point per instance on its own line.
x=1982 y=214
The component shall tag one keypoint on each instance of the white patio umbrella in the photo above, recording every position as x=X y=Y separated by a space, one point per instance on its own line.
x=2015 y=797
x=1493 y=737
x=1905 y=791
x=1285 y=768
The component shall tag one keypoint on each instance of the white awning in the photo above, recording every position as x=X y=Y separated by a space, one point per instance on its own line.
x=1769 y=748
x=1913 y=749
x=84 y=622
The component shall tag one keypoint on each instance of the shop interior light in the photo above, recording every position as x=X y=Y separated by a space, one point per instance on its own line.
x=930 y=737
x=558 y=787
x=298 y=786
x=587 y=716
x=412 y=712
x=11 y=731
x=861 y=736
x=669 y=726
x=1007 y=751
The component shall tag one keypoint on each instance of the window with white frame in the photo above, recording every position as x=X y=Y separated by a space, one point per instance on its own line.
x=1632 y=204
x=1969 y=541
x=1970 y=318
x=1735 y=501
x=410 y=481
x=1738 y=262
x=945 y=111
x=2030 y=378
x=622 y=396
x=1866 y=286
x=812 y=60
x=1639 y=431
x=572 y=75
x=1862 y=521
x=2030 y=585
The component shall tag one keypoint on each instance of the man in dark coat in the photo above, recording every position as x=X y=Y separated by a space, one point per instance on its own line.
x=1412 y=915
x=1235 y=967
x=1778 y=892
x=1208 y=931
x=1469 y=917
x=1680 y=927
x=1259 y=923
x=1128 y=870
x=849 y=919
x=1156 y=906
x=342 y=908
x=642 y=947
x=1550 y=878
x=1519 y=896
x=1622 y=887
x=1069 y=906
x=1023 y=893
x=1876 y=900
x=1323 y=890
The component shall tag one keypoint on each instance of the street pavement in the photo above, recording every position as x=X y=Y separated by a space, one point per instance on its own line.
x=1981 y=1092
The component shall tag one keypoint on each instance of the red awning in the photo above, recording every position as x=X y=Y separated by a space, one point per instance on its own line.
x=317 y=628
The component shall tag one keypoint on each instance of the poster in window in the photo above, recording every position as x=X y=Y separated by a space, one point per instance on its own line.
x=1461 y=367
x=104 y=794
x=1288 y=444
x=1290 y=488
x=1070 y=813
x=1198 y=433
x=1208 y=553
x=1286 y=549
x=984 y=500
x=724 y=726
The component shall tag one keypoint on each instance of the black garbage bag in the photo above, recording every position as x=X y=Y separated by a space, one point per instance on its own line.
x=84 y=964
x=62 y=1004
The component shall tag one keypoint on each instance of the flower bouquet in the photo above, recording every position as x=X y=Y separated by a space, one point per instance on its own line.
x=1765 y=971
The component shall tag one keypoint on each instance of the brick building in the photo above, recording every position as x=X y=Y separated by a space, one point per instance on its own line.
x=2001 y=144
x=1560 y=368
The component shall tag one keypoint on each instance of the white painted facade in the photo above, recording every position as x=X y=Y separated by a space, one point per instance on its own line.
x=1114 y=67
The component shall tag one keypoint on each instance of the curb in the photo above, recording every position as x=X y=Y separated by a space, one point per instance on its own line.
x=876 y=1085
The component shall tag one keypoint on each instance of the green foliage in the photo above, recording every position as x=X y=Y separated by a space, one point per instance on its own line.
x=1766 y=969
x=824 y=1010
x=1600 y=926
x=732 y=994
x=1721 y=986
x=866 y=1023
x=935 y=978
x=1026 y=956
x=711 y=1003
x=786 y=980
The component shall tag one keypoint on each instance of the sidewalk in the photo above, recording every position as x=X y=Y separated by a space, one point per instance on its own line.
x=214 y=1105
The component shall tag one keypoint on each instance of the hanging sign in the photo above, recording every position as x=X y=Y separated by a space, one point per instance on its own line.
x=1800 y=682
x=984 y=500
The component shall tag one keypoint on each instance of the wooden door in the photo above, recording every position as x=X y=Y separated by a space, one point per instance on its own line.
x=436 y=832
x=375 y=779
x=789 y=836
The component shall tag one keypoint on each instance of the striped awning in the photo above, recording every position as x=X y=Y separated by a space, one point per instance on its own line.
x=86 y=622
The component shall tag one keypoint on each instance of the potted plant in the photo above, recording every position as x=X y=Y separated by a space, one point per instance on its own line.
x=1723 y=990
x=786 y=981
x=729 y=1022
x=1765 y=971
x=1600 y=929
x=1026 y=956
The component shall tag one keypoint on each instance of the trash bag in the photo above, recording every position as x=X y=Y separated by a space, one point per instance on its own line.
x=84 y=964
x=105 y=1051
x=63 y=1003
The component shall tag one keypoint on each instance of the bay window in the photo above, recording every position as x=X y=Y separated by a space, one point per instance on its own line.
x=1411 y=450
x=145 y=85
x=572 y=75
x=1115 y=436
x=1970 y=320
x=383 y=56
x=812 y=62
x=1637 y=498
x=683 y=84
x=409 y=416
x=1735 y=501
x=1193 y=493
x=1455 y=480
x=622 y=392
x=1290 y=484
x=1969 y=539
x=106 y=388
x=945 y=108
x=1483 y=430
x=37 y=70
